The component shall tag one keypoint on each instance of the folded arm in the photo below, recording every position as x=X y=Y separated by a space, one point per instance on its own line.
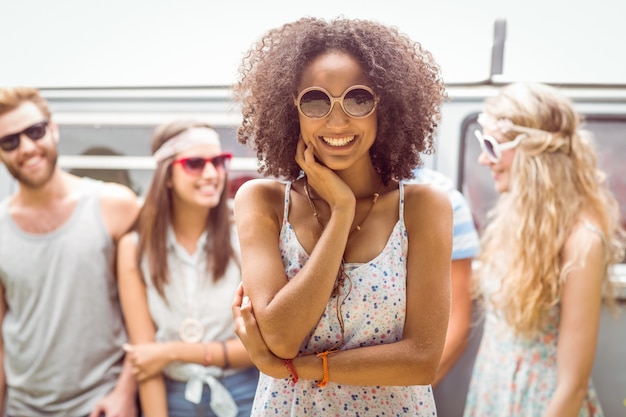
x=410 y=361
x=286 y=310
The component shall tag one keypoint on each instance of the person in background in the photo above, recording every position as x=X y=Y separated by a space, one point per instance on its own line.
x=345 y=297
x=62 y=326
x=178 y=272
x=465 y=246
x=544 y=259
x=121 y=176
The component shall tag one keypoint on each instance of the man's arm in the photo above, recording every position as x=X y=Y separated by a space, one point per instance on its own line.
x=465 y=247
x=120 y=207
x=460 y=316
x=122 y=401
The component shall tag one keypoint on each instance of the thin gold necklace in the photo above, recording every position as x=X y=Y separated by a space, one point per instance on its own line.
x=341 y=274
x=307 y=191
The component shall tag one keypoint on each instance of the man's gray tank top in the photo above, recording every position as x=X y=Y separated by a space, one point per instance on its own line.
x=63 y=329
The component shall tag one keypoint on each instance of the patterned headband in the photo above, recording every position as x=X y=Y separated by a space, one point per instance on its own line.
x=185 y=140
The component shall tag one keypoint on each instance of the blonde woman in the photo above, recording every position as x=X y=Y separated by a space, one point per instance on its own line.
x=178 y=272
x=544 y=260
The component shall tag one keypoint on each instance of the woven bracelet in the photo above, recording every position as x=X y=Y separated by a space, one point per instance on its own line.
x=292 y=371
x=324 y=356
x=226 y=361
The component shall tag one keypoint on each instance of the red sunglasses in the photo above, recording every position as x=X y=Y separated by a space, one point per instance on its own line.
x=194 y=165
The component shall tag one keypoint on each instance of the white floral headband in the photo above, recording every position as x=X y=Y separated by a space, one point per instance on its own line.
x=505 y=125
x=185 y=140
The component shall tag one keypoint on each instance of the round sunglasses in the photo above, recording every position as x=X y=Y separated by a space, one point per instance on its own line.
x=357 y=101
x=33 y=132
x=194 y=165
x=493 y=148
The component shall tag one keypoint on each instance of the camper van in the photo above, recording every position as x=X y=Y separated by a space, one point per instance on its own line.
x=106 y=134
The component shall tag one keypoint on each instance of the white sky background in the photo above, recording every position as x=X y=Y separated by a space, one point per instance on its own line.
x=88 y=43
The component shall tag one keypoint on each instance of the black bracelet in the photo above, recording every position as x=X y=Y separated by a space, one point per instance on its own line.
x=226 y=361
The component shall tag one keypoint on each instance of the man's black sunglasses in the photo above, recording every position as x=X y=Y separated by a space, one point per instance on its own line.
x=34 y=132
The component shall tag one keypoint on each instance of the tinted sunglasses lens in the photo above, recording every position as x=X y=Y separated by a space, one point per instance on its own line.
x=359 y=102
x=314 y=104
x=487 y=143
x=10 y=142
x=490 y=148
x=36 y=131
x=194 y=165
x=220 y=161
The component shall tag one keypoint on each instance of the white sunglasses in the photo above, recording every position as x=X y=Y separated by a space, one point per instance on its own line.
x=493 y=148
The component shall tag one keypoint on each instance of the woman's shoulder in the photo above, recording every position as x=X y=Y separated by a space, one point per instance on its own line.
x=129 y=241
x=587 y=223
x=583 y=236
x=260 y=194
x=428 y=220
x=427 y=209
x=127 y=255
x=426 y=197
x=585 y=226
x=260 y=187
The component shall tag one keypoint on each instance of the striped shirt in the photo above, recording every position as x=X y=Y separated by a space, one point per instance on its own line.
x=465 y=242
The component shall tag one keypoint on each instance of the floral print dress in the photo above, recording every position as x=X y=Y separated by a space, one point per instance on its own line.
x=373 y=314
x=515 y=376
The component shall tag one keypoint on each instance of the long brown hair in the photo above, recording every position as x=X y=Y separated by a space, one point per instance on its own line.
x=155 y=216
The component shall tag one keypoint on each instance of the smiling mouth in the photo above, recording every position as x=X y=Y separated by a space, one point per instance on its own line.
x=32 y=161
x=338 y=141
x=208 y=187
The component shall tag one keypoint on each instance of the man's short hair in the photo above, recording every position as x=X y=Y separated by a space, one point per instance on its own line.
x=12 y=97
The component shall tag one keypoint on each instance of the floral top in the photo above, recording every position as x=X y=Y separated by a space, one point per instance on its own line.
x=373 y=314
x=515 y=376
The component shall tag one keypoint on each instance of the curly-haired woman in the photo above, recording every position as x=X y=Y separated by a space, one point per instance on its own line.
x=345 y=297
x=544 y=259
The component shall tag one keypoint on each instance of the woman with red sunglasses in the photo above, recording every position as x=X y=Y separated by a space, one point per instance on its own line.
x=178 y=270
x=545 y=258
x=346 y=268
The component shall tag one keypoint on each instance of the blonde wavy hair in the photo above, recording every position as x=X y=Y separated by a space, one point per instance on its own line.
x=554 y=181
